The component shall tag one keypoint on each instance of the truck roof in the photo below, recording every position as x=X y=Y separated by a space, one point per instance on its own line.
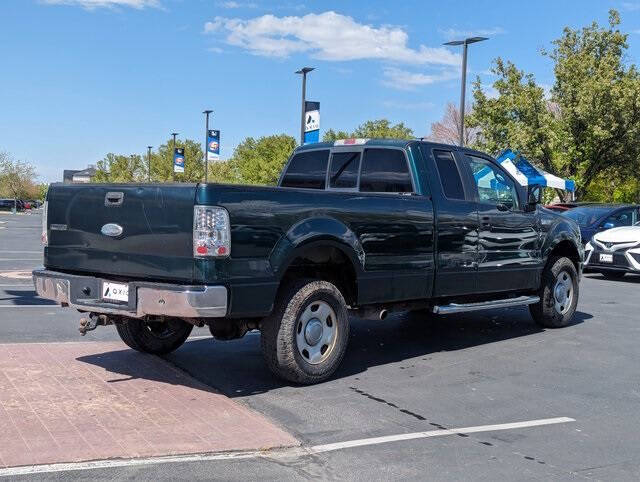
x=375 y=142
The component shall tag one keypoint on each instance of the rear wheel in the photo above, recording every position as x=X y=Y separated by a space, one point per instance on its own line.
x=156 y=337
x=613 y=274
x=306 y=336
x=558 y=294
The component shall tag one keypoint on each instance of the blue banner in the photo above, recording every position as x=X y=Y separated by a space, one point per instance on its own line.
x=213 y=145
x=311 y=122
x=178 y=159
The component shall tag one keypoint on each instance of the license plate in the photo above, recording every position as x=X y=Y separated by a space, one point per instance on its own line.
x=606 y=258
x=115 y=291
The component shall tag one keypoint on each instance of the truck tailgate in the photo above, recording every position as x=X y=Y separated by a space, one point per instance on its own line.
x=157 y=230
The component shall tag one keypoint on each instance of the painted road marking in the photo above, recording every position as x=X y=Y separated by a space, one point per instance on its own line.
x=30 y=306
x=20 y=259
x=16 y=274
x=272 y=454
x=2 y=251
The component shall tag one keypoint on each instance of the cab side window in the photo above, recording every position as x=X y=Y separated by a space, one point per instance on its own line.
x=492 y=185
x=385 y=170
x=449 y=175
x=307 y=170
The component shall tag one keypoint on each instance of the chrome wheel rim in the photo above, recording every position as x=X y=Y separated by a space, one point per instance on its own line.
x=563 y=292
x=316 y=332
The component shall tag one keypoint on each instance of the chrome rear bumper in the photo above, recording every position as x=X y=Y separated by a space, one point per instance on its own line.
x=83 y=293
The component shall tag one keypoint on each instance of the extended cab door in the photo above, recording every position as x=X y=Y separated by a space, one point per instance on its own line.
x=509 y=255
x=456 y=224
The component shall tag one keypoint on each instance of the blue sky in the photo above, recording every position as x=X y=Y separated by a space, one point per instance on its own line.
x=81 y=78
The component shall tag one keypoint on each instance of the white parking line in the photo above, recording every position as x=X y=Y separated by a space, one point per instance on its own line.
x=30 y=306
x=3 y=251
x=271 y=454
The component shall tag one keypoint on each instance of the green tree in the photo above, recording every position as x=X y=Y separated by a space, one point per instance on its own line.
x=260 y=161
x=42 y=191
x=380 y=128
x=519 y=117
x=589 y=128
x=598 y=96
x=120 y=168
x=16 y=177
x=162 y=162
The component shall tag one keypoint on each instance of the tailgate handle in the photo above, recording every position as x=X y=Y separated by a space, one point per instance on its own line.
x=113 y=199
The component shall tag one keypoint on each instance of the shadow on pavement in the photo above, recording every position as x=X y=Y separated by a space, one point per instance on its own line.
x=237 y=369
x=25 y=297
x=628 y=278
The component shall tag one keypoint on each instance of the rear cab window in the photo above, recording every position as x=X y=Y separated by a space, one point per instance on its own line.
x=343 y=173
x=307 y=170
x=371 y=170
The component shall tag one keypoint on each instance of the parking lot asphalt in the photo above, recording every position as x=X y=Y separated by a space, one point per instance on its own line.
x=403 y=375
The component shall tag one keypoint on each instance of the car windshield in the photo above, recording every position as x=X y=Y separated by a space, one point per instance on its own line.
x=586 y=215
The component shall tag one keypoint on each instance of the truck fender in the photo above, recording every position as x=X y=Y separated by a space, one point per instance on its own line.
x=320 y=231
x=561 y=232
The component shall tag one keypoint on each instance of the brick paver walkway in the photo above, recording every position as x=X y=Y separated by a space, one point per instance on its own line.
x=70 y=402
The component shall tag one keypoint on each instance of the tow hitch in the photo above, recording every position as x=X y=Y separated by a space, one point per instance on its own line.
x=91 y=323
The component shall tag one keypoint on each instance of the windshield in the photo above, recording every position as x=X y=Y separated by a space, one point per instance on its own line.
x=586 y=215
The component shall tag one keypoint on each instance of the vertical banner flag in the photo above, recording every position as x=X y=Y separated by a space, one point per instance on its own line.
x=311 y=122
x=178 y=159
x=213 y=145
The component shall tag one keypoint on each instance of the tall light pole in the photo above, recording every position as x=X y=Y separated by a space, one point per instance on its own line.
x=304 y=71
x=206 y=139
x=465 y=43
x=173 y=154
x=149 y=163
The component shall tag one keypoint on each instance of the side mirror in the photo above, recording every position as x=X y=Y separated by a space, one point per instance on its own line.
x=534 y=196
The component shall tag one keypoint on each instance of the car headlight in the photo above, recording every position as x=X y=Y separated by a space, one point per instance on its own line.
x=588 y=246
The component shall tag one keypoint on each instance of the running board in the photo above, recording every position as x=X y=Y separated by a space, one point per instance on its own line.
x=485 y=305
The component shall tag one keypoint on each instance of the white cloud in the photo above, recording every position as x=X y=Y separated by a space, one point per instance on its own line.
x=392 y=104
x=455 y=34
x=630 y=6
x=234 y=4
x=91 y=4
x=405 y=80
x=326 y=36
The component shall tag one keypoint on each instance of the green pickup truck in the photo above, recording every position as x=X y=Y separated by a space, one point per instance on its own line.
x=356 y=227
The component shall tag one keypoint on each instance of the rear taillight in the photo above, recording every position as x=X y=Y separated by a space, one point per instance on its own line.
x=211 y=232
x=45 y=238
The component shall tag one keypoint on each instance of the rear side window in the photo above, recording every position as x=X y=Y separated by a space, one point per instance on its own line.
x=344 y=170
x=449 y=175
x=307 y=170
x=385 y=170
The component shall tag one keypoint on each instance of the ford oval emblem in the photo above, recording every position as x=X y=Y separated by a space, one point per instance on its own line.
x=111 y=229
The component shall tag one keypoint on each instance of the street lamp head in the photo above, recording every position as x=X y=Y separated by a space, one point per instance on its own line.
x=467 y=41
x=305 y=70
x=149 y=147
x=207 y=111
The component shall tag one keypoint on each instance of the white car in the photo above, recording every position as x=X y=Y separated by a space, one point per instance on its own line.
x=614 y=252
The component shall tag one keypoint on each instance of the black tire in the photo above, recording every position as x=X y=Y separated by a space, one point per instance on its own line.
x=158 y=338
x=545 y=313
x=613 y=274
x=280 y=330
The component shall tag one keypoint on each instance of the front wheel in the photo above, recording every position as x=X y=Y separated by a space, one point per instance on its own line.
x=558 y=294
x=156 y=337
x=306 y=336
